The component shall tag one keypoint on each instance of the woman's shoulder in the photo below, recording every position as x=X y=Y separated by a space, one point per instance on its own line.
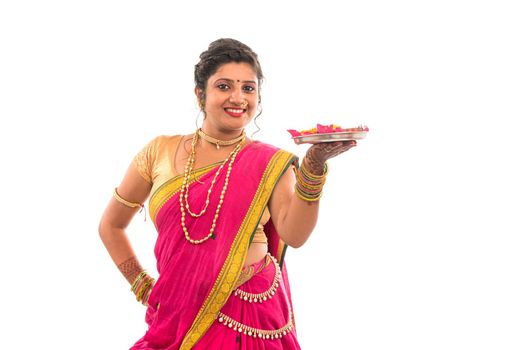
x=161 y=141
x=166 y=138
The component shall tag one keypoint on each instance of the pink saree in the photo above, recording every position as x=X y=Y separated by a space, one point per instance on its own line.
x=193 y=304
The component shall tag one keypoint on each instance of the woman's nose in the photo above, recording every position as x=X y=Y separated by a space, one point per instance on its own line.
x=237 y=96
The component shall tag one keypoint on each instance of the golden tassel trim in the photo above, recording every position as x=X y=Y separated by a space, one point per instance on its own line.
x=256 y=332
x=268 y=294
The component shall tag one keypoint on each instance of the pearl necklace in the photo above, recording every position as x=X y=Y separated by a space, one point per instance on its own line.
x=218 y=142
x=184 y=190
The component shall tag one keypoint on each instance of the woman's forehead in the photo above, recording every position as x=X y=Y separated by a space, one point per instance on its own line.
x=236 y=72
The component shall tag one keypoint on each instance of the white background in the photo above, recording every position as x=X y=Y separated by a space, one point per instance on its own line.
x=419 y=244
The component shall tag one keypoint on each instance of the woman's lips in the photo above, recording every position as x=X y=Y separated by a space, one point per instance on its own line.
x=235 y=112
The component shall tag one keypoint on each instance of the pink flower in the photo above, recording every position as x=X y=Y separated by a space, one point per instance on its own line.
x=324 y=129
x=293 y=132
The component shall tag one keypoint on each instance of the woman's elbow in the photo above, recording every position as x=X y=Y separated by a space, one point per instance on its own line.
x=295 y=245
x=295 y=237
x=102 y=230
x=105 y=230
x=295 y=242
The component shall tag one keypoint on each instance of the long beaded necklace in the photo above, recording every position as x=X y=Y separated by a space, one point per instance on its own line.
x=184 y=190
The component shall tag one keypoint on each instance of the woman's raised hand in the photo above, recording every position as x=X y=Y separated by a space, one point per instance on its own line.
x=319 y=153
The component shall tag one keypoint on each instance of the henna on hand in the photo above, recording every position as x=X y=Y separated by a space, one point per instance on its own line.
x=314 y=162
x=318 y=154
x=130 y=268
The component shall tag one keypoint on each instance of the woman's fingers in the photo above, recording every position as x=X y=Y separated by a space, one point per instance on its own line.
x=329 y=150
x=318 y=154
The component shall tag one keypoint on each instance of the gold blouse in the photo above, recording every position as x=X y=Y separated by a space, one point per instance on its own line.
x=260 y=235
x=156 y=161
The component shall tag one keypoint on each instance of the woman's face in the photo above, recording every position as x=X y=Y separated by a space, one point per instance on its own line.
x=231 y=98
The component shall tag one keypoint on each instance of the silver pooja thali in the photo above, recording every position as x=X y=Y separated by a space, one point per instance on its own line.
x=330 y=137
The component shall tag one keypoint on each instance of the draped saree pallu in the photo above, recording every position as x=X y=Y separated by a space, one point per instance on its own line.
x=204 y=298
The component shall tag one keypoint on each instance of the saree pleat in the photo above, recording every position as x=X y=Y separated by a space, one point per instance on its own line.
x=195 y=281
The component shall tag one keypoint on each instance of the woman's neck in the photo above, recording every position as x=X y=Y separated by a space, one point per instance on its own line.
x=221 y=134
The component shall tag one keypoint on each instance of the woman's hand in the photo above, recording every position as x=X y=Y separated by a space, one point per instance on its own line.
x=318 y=154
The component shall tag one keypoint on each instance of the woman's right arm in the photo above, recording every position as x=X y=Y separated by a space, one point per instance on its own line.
x=117 y=216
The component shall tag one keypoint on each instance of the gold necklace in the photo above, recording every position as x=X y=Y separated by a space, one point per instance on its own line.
x=184 y=190
x=218 y=142
x=206 y=203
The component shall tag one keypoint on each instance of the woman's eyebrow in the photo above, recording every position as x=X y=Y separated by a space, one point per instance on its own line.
x=238 y=81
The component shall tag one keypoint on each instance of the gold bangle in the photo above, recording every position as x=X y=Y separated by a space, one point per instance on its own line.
x=124 y=202
x=304 y=184
x=144 y=289
x=138 y=280
x=308 y=185
x=312 y=176
x=145 y=299
x=303 y=196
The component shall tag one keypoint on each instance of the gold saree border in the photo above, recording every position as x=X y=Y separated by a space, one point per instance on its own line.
x=234 y=262
x=168 y=189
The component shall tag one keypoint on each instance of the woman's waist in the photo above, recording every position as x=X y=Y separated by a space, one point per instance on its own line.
x=255 y=253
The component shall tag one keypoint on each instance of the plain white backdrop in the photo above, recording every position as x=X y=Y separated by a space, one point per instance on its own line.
x=419 y=243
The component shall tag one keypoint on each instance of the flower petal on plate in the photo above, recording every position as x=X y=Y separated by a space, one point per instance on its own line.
x=294 y=133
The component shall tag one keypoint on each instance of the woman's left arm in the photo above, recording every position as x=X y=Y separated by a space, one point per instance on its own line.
x=294 y=217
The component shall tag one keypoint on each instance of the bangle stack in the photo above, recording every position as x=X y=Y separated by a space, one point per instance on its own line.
x=309 y=186
x=142 y=287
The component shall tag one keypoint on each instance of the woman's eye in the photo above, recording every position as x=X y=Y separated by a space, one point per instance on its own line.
x=249 y=88
x=223 y=86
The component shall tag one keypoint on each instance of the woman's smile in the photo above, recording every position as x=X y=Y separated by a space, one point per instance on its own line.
x=235 y=112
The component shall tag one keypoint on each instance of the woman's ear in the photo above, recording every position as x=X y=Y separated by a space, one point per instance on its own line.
x=198 y=92
x=200 y=97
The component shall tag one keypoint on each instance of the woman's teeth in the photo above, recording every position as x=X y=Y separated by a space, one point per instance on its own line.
x=236 y=111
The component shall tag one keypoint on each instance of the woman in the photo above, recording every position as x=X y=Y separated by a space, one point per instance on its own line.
x=225 y=208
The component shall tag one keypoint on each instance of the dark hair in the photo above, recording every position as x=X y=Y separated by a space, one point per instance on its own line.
x=220 y=52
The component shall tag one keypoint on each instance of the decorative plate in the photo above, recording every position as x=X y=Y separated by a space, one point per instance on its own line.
x=328 y=133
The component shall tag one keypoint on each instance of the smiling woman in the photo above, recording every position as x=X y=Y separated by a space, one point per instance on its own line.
x=230 y=99
x=225 y=208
